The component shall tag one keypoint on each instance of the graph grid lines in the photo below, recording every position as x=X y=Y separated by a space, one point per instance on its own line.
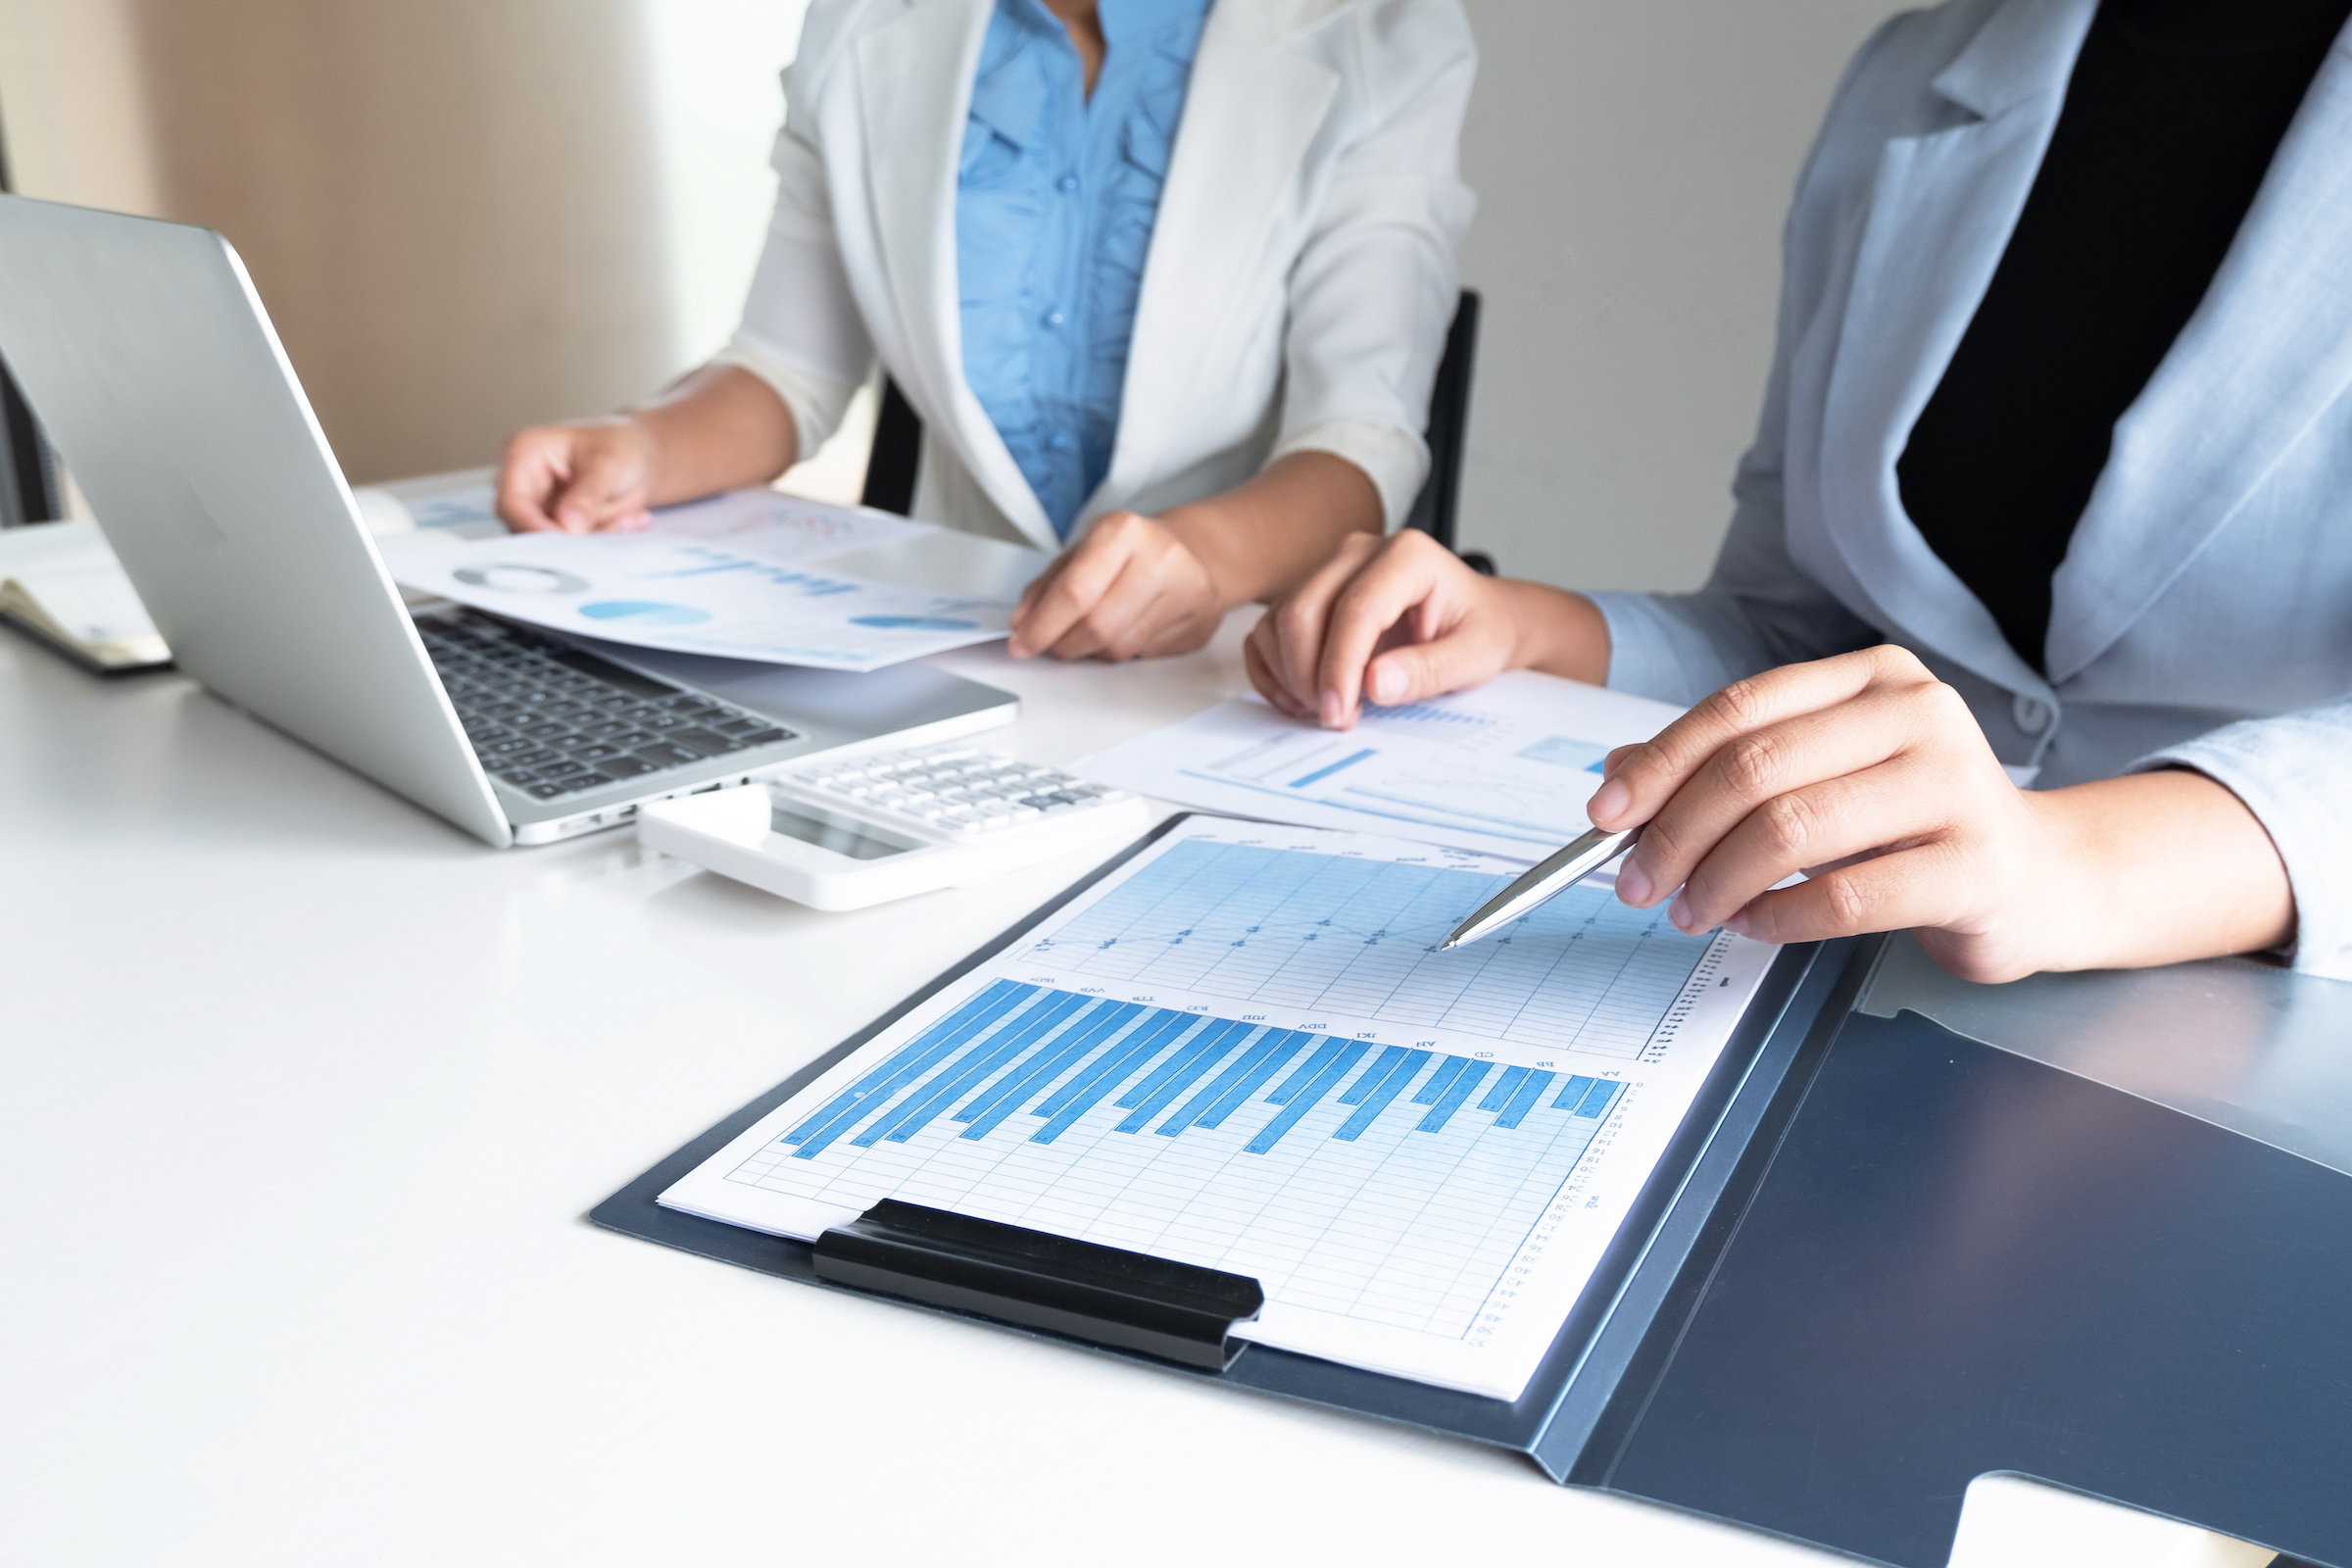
x=1390 y=1181
x=1213 y=1154
x=1238 y=922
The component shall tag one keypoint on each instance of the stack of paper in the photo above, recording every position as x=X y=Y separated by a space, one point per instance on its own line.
x=750 y=575
x=1504 y=769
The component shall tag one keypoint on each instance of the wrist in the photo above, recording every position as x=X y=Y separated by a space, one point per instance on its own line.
x=1194 y=528
x=1557 y=632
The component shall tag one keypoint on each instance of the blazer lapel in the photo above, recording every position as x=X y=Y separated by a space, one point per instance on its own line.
x=1251 y=113
x=915 y=82
x=2268 y=349
x=1942 y=210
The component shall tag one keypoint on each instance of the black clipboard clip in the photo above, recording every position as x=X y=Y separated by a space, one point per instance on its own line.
x=1106 y=1294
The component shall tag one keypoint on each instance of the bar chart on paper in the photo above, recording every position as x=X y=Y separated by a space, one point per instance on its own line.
x=1248 y=1055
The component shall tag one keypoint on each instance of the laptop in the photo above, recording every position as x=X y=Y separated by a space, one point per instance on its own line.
x=146 y=354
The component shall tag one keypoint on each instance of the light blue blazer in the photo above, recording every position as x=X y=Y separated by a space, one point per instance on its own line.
x=2203 y=613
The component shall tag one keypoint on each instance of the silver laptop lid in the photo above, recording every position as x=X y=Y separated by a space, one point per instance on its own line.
x=151 y=362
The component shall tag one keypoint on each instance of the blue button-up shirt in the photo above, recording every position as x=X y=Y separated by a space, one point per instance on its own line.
x=1054 y=200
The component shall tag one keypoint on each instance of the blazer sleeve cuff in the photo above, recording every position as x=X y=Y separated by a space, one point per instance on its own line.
x=2289 y=773
x=1396 y=461
x=1678 y=648
x=817 y=402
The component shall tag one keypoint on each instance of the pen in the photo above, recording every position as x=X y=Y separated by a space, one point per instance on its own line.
x=1552 y=876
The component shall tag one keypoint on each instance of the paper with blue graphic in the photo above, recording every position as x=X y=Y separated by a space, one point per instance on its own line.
x=755 y=574
x=1242 y=1050
x=1504 y=768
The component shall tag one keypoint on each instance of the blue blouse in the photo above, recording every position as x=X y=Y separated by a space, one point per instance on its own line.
x=1054 y=200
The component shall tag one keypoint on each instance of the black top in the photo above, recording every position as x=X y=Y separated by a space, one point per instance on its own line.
x=2170 y=117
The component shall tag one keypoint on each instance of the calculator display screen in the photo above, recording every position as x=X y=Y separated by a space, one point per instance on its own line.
x=856 y=842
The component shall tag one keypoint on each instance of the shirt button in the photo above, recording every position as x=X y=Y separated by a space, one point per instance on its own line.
x=2032 y=713
x=1058 y=442
x=1052 y=318
x=1066 y=183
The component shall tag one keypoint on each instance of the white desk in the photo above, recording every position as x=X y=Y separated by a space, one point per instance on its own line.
x=306 y=1094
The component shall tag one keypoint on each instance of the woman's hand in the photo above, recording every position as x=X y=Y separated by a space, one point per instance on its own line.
x=1130 y=589
x=1396 y=619
x=588 y=476
x=718 y=428
x=1867 y=772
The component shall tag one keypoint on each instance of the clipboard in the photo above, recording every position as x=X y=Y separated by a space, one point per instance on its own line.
x=1877 y=1260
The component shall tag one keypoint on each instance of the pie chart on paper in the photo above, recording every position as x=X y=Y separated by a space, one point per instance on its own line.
x=645 y=613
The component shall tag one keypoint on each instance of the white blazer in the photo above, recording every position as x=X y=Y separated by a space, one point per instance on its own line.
x=2202 y=616
x=1295 y=297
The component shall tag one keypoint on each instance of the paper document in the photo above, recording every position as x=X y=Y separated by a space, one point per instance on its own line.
x=1240 y=1050
x=750 y=575
x=1504 y=768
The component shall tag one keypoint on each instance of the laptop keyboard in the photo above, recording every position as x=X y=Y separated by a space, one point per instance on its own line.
x=554 y=720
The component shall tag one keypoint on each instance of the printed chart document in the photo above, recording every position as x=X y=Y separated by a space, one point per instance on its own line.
x=1504 y=768
x=1239 y=1050
x=753 y=575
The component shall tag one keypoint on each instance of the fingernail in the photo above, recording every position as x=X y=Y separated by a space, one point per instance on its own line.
x=1740 y=925
x=1681 y=914
x=1384 y=684
x=1632 y=885
x=1331 y=713
x=1608 y=801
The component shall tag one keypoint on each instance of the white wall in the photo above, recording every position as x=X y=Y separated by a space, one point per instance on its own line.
x=1633 y=160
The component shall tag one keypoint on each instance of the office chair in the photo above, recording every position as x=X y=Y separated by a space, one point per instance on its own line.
x=898 y=441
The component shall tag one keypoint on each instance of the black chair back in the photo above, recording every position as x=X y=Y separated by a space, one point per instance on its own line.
x=899 y=439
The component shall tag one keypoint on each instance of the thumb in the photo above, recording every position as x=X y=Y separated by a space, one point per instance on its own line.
x=608 y=488
x=1410 y=673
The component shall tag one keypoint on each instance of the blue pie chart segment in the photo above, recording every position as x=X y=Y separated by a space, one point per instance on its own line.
x=644 y=613
x=913 y=622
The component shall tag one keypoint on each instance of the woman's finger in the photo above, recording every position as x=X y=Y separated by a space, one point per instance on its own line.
x=1890 y=807
x=1925 y=885
x=1296 y=624
x=529 y=480
x=1751 y=769
x=1408 y=571
x=1085 y=571
x=1640 y=784
x=1263 y=677
x=1465 y=656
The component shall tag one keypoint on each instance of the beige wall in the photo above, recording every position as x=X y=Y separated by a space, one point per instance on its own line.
x=443 y=203
x=449 y=208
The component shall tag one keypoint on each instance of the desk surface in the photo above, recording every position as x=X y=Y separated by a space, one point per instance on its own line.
x=305 y=1094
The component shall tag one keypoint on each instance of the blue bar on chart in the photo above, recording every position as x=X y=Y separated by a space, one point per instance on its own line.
x=1464 y=1084
x=1523 y=1099
x=932 y=1046
x=1322 y=774
x=1090 y=1086
x=1016 y=1050
x=1403 y=1072
x=1306 y=1098
x=1504 y=1087
x=1233 y=1085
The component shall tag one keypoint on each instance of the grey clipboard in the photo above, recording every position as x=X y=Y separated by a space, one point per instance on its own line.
x=1772 y=1337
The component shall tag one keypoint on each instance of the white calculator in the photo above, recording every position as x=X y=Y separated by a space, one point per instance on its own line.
x=840 y=834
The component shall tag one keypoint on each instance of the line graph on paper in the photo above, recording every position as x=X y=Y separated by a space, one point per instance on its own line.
x=1253 y=924
x=1148 y=1074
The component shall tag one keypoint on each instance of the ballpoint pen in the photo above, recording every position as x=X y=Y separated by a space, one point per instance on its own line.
x=1552 y=876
